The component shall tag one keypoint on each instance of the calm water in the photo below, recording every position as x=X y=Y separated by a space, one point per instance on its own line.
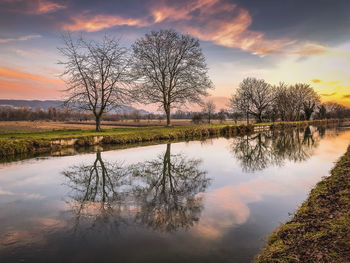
x=210 y=201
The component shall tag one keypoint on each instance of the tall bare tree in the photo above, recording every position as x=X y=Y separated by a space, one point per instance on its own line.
x=208 y=109
x=254 y=97
x=170 y=69
x=95 y=74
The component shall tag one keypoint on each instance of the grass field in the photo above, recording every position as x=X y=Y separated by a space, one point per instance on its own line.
x=26 y=137
x=42 y=126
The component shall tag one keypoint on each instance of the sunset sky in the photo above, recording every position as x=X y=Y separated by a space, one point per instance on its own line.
x=290 y=40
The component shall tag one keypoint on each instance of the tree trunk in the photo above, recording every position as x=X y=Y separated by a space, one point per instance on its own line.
x=168 y=117
x=247 y=118
x=98 y=123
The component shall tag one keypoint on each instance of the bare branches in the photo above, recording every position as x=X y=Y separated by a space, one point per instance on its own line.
x=169 y=69
x=95 y=74
x=256 y=98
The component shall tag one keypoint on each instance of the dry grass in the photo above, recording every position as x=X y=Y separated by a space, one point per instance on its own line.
x=320 y=229
x=44 y=126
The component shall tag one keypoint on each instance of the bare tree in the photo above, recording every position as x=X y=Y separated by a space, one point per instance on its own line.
x=208 y=109
x=169 y=69
x=311 y=100
x=95 y=73
x=282 y=101
x=254 y=97
x=240 y=103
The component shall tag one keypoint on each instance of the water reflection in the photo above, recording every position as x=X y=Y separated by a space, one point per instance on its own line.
x=120 y=205
x=168 y=195
x=98 y=191
x=259 y=151
x=160 y=194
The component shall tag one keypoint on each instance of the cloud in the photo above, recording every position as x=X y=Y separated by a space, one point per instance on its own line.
x=328 y=94
x=92 y=23
x=24 y=38
x=222 y=23
x=217 y=21
x=316 y=80
x=45 y=7
x=18 y=84
x=13 y=74
x=346 y=96
x=310 y=49
x=34 y=7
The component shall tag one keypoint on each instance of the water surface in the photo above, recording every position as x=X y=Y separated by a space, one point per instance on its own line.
x=203 y=201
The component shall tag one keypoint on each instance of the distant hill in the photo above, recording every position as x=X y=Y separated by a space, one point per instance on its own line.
x=45 y=104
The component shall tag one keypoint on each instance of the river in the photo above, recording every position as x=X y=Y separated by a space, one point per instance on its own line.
x=201 y=201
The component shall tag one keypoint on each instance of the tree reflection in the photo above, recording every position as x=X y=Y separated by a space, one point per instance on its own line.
x=168 y=196
x=262 y=150
x=161 y=194
x=98 y=191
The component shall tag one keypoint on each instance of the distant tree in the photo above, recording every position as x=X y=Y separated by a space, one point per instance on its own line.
x=336 y=110
x=221 y=115
x=96 y=75
x=135 y=115
x=322 y=112
x=239 y=103
x=169 y=69
x=197 y=118
x=235 y=116
x=208 y=109
x=150 y=116
x=310 y=100
x=254 y=97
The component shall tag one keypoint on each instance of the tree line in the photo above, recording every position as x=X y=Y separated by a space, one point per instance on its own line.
x=257 y=99
x=66 y=114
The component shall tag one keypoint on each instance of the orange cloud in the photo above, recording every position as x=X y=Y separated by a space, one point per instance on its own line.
x=346 y=96
x=92 y=23
x=328 y=95
x=225 y=24
x=44 y=7
x=17 y=84
x=316 y=80
x=8 y=73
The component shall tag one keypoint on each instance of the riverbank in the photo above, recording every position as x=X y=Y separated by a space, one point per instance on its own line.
x=41 y=142
x=320 y=229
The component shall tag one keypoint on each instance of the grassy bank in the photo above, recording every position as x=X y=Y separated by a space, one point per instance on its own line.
x=320 y=229
x=12 y=143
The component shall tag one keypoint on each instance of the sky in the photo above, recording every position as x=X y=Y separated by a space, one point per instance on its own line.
x=291 y=40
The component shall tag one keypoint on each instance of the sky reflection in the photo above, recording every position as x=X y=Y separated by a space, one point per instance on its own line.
x=189 y=197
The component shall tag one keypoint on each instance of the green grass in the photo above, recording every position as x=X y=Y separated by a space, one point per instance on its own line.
x=33 y=142
x=19 y=143
x=320 y=229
